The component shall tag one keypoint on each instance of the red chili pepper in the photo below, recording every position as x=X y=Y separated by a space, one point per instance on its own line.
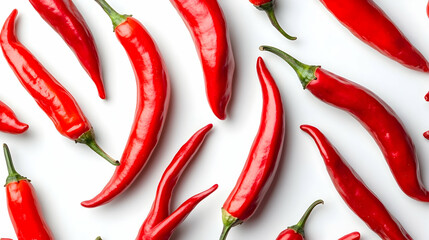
x=296 y=232
x=263 y=159
x=24 y=208
x=206 y=23
x=153 y=96
x=371 y=25
x=374 y=114
x=48 y=93
x=66 y=20
x=159 y=223
x=351 y=236
x=354 y=192
x=427 y=9
x=268 y=7
x=9 y=122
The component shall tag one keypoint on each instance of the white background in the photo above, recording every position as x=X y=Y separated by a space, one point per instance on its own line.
x=64 y=174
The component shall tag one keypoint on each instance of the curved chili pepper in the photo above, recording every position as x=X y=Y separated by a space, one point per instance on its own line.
x=354 y=192
x=153 y=96
x=9 y=122
x=374 y=114
x=371 y=25
x=52 y=98
x=66 y=20
x=268 y=7
x=24 y=208
x=159 y=223
x=296 y=232
x=351 y=236
x=206 y=23
x=264 y=157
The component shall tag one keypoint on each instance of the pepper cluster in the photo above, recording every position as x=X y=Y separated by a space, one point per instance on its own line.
x=207 y=25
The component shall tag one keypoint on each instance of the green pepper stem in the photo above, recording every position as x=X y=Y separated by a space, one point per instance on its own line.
x=299 y=227
x=306 y=73
x=269 y=9
x=88 y=138
x=13 y=176
x=228 y=222
x=116 y=18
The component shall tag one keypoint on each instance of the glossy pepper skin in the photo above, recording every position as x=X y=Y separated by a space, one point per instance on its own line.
x=268 y=7
x=374 y=114
x=296 y=232
x=9 y=123
x=207 y=25
x=355 y=193
x=66 y=20
x=159 y=223
x=52 y=98
x=24 y=208
x=371 y=25
x=264 y=157
x=351 y=236
x=153 y=96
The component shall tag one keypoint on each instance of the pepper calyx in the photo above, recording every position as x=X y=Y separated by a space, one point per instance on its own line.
x=228 y=222
x=13 y=176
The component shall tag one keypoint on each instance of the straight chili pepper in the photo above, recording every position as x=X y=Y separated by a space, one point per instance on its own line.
x=351 y=236
x=354 y=192
x=374 y=114
x=24 y=208
x=268 y=7
x=264 y=157
x=52 y=98
x=66 y=20
x=371 y=25
x=153 y=96
x=207 y=25
x=296 y=232
x=9 y=122
x=159 y=223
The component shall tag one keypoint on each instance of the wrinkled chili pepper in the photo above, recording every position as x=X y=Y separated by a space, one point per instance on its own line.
x=52 y=98
x=9 y=122
x=66 y=20
x=207 y=25
x=264 y=157
x=268 y=7
x=371 y=25
x=153 y=96
x=24 y=208
x=159 y=224
x=296 y=232
x=351 y=236
x=355 y=193
x=374 y=114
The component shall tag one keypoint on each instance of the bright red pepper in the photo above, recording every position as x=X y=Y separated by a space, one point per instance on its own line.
x=264 y=157
x=153 y=96
x=24 y=208
x=9 y=122
x=268 y=7
x=159 y=223
x=52 y=98
x=371 y=25
x=351 y=236
x=354 y=192
x=296 y=232
x=66 y=20
x=374 y=114
x=206 y=23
